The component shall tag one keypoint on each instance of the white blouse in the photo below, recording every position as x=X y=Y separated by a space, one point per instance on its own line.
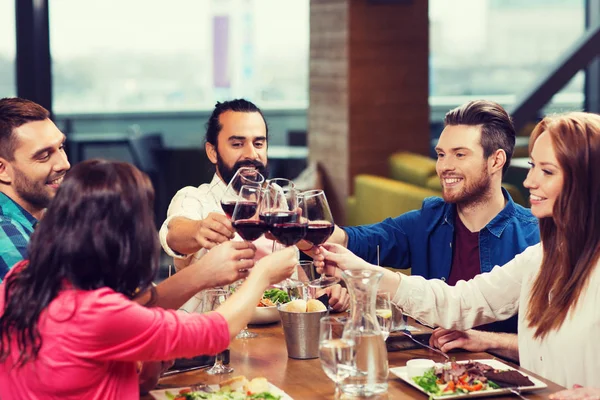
x=567 y=356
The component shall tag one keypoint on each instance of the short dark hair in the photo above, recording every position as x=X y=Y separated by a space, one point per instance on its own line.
x=98 y=232
x=14 y=112
x=497 y=129
x=213 y=126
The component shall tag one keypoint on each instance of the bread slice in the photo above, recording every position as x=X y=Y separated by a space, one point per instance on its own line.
x=313 y=305
x=257 y=385
x=235 y=383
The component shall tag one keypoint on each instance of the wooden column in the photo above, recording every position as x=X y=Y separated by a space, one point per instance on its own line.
x=368 y=88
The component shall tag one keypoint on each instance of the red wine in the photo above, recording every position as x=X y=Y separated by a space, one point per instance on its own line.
x=279 y=217
x=250 y=230
x=246 y=209
x=289 y=234
x=318 y=233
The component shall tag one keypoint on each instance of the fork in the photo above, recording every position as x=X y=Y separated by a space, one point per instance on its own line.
x=409 y=335
x=517 y=392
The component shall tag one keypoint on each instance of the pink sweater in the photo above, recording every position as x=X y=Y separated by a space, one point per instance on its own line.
x=92 y=340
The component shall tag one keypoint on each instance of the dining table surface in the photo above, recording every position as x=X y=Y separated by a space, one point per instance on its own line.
x=266 y=356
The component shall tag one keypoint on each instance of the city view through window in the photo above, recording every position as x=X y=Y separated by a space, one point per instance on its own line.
x=185 y=55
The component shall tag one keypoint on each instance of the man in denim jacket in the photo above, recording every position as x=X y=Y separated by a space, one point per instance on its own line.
x=475 y=226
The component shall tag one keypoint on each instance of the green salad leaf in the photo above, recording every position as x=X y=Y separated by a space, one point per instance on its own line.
x=277 y=296
x=428 y=381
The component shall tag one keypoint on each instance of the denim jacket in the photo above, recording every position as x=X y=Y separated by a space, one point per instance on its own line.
x=422 y=239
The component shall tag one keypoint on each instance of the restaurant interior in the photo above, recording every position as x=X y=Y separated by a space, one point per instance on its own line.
x=354 y=94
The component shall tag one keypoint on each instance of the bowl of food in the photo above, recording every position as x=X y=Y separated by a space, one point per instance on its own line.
x=266 y=311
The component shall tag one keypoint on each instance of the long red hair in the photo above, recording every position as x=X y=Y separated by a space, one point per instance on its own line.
x=571 y=236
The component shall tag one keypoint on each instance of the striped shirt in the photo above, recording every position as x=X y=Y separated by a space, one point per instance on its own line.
x=16 y=227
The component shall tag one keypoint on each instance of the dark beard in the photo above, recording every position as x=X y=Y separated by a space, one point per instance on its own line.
x=34 y=193
x=475 y=194
x=228 y=173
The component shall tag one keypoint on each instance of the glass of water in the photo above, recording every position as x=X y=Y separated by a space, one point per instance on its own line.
x=383 y=310
x=337 y=354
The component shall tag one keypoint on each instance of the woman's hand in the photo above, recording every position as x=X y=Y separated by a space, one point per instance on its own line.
x=578 y=392
x=226 y=263
x=332 y=259
x=277 y=266
x=471 y=340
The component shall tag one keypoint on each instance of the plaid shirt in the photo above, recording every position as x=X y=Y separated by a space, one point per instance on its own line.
x=16 y=227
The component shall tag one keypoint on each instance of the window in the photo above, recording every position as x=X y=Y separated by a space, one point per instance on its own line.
x=498 y=48
x=8 y=86
x=174 y=56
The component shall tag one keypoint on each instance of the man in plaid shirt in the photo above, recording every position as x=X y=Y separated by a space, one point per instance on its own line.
x=32 y=166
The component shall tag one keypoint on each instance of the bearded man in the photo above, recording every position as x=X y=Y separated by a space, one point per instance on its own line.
x=475 y=226
x=32 y=165
x=236 y=136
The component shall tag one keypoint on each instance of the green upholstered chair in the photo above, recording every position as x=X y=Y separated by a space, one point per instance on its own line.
x=411 y=168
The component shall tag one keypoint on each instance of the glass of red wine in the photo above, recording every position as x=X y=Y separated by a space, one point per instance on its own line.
x=287 y=224
x=245 y=217
x=245 y=176
x=319 y=229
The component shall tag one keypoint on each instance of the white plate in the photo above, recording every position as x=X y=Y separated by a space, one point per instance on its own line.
x=496 y=364
x=162 y=394
x=264 y=315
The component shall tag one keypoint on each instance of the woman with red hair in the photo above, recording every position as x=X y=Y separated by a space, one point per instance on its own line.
x=553 y=286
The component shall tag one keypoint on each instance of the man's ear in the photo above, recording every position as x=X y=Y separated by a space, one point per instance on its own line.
x=211 y=153
x=5 y=172
x=497 y=161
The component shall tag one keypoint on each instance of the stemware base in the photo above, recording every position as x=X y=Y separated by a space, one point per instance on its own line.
x=219 y=369
x=246 y=334
x=324 y=281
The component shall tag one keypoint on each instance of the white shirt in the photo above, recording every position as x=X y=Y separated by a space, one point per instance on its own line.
x=567 y=356
x=196 y=203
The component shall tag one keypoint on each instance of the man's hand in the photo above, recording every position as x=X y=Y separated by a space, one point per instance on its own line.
x=214 y=229
x=578 y=392
x=339 y=299
x=226 y=263
x=471 y=340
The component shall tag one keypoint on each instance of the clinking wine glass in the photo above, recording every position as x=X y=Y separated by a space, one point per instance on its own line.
x=244 y=176
x=285 y=220
x=336 y=352
x=213 y=298
x=320 y=227
x=245 y=217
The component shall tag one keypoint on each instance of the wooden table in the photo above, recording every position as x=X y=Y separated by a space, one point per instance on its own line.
x=266 y=356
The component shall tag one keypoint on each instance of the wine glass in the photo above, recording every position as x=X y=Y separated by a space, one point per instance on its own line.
x=245 y=217
x=320 y=227
x=337 y=353
x=244 y=333
x=383 y=310
x=213 y=298
x=243 y=176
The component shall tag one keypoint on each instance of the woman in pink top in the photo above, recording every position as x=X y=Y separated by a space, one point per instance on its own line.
x=68 y=327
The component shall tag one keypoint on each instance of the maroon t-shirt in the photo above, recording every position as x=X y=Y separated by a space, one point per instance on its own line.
x=465 y=254
x=466 y=264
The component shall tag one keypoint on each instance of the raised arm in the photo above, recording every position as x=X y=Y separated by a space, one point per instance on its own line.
x=224 y=264
x=123 y=330
x=488 y=297
x=192 y=224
